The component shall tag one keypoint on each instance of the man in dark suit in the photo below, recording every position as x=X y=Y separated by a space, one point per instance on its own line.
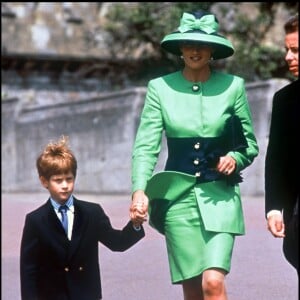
x=59 y=247
x=282 y=158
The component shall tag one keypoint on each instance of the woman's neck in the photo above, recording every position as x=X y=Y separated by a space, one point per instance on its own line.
x=199 y=75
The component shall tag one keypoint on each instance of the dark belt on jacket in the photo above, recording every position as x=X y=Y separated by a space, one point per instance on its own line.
x=195 y=156
x=199 y=156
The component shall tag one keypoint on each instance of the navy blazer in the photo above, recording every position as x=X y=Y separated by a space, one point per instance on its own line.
x=52 y=267
x=282 y=158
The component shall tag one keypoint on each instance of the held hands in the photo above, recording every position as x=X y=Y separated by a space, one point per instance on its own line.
x=226 y=165
x=276 y=226
x=138 y=210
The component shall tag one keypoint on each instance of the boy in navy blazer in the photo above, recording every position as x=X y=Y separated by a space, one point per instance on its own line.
x=63 y=264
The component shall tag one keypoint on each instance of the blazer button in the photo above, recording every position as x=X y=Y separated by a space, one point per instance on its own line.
x=196 y=161
x=198 y=174
x=67 y=269
x=80 y=268
x=197 y=146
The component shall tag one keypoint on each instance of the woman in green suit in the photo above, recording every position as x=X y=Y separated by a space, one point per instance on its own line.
x=195 y=202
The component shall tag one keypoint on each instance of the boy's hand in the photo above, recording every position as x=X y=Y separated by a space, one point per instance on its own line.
x=138 y=210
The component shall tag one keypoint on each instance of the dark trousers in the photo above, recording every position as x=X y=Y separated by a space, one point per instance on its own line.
x=291 y=240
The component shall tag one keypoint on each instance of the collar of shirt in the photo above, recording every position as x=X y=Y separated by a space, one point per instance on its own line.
x=70 y=213
x=69 y=203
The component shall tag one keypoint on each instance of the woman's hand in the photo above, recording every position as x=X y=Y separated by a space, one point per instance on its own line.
x=226 y=165
x=138 y=210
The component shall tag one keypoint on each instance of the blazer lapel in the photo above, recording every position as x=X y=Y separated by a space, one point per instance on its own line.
x=52 y=218
x=55 y=226
x=79 y=227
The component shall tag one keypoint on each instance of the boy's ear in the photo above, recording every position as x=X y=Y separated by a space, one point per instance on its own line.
x=44 y=182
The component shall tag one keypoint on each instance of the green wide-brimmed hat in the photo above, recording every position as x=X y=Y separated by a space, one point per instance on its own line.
x=162 y=190
x=200 y=28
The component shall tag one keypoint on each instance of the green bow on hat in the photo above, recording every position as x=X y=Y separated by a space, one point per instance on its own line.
x=206 y=23
x=198 y=28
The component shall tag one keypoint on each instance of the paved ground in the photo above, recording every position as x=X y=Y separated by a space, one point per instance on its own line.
x=259 y=271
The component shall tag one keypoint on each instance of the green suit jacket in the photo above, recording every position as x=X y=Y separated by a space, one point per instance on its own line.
x=174 y=108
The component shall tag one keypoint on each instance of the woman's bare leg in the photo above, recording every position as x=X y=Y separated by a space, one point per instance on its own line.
x=208 y=286
x=192 y=288
x=213 y=284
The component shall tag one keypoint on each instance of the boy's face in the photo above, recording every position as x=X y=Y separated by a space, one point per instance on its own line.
x=60 y=186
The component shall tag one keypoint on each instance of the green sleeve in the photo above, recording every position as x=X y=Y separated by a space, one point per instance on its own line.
x=148 y=140
x=242 y=110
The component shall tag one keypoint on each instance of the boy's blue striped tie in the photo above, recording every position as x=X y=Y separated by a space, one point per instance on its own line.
x=64 y=218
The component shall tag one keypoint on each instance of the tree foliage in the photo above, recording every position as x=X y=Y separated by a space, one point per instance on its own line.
x=136 y=29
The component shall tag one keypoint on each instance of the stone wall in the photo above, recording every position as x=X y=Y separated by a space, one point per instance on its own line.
x=102 y=132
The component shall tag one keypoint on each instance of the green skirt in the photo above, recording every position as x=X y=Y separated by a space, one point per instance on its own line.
x=191 y=248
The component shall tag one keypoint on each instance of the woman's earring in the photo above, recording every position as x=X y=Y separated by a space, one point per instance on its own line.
x=181 y=56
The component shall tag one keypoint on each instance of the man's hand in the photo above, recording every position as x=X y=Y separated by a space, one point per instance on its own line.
x=276 y=225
